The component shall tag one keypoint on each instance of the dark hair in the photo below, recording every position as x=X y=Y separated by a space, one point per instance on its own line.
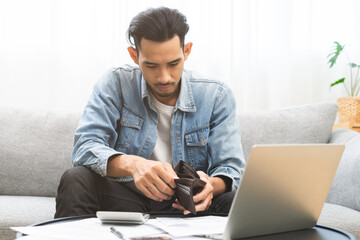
x=157 y=24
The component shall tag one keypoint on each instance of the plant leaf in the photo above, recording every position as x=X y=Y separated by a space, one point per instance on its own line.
x=337 y=82
x=335 y=54
x=353 y=65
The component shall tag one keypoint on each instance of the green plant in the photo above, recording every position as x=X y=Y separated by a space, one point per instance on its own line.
x=354 y=88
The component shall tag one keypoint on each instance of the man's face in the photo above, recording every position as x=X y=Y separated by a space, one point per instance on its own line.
x=161 y=64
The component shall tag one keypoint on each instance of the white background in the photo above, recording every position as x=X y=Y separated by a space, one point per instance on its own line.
x=272 y=53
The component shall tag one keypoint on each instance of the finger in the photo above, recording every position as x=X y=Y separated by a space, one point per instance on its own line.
x=204 y=205
x=164 y=187
x=161 y=186
x=178 y=206
x=203 y=176
x=168 y=175
x=156 y=192
x=170 y=170
x=150 y=190
x=208 y=189
x=149 y=194
x=186 y=212
x=154 y=176
x=181 y=208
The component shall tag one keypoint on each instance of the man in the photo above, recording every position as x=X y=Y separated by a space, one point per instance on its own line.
x=141 y=121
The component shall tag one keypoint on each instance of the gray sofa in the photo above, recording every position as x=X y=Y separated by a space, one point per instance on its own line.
x=36 y=145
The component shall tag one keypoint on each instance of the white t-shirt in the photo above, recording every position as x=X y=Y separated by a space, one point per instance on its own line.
x=162 y=151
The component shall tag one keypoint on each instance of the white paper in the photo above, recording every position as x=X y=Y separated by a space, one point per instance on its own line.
x=33 y=238
x=145 y=230
x=181 y=227
x=92 y=228
x=87 y=229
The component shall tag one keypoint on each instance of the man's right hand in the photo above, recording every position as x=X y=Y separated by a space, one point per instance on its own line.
x=155 y=179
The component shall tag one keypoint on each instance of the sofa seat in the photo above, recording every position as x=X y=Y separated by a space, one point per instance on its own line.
x=23 y=211
x=336 y=216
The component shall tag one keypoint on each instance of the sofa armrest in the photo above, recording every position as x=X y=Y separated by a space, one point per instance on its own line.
x=346 y=185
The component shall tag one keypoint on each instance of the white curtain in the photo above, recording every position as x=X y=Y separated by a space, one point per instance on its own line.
x=272 y=53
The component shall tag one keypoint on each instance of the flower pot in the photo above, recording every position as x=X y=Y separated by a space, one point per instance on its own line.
x=349 y=109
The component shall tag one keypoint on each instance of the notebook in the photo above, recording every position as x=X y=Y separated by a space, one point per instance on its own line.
x=283 y=189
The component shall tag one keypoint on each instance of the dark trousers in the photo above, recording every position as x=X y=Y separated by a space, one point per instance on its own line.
x=82 y=191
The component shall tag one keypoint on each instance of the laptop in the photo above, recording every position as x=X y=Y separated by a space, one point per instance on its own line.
x=283 y=189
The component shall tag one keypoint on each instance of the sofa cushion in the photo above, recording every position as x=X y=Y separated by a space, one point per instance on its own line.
x=310 y=123
x=345 y=189
x=344 y=218
x=35 y=148
x=22 y=211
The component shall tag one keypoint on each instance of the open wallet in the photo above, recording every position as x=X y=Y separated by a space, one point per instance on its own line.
x=188 y=185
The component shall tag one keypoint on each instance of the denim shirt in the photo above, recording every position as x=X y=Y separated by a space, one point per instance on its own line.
x=120 y=118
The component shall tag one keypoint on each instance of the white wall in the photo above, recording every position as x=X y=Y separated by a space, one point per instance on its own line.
x=271 y=52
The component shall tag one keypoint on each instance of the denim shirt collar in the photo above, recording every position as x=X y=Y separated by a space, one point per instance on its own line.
x=185 y=101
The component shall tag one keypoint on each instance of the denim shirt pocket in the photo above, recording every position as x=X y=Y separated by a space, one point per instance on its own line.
x=130 y=125
x=196 y=147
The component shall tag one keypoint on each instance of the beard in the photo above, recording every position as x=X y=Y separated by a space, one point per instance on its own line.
x=170 y=89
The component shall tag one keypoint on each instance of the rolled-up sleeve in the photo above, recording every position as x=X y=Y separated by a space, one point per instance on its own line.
x=96 y=135
x=226 y=157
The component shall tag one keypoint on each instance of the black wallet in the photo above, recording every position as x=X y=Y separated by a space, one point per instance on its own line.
x=188 y=185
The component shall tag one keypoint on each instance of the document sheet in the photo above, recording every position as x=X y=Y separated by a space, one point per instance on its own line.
x=92 y=228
